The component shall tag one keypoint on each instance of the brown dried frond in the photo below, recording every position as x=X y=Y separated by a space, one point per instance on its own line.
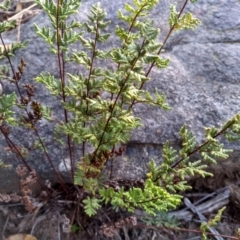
x=17 y=76
x=37 y=110
x=21 y=170
x=120 y=151
x=5 y=198
x=109 y=229
x=29 y=89
x=25 y=190
x=30 y=203
x=24 y=100
x=13 y=197
x=24 y=183
x=21 y=67
x=29 y=206
x=23 y=63
x=32 y=178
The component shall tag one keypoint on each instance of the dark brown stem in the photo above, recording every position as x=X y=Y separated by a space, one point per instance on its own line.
x=167 y=37
x=129 y=30
x=132 y=24
x=114 y=105
x=61 y=66
x=89 y=77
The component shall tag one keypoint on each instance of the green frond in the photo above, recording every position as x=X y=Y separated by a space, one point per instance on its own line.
x=210 y=133
x=186 y=21
x=212 y=222
x=188 y=142
x=51 y=83
x=232 y=136
x=10 y=49
x=152 y=198
x=46 y=112
x=7 y=25
x=5 y=5
x=208 y=158
x=7 y=102
x=91 y=205
x=169 y=154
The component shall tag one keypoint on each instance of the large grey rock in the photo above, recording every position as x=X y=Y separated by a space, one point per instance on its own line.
x=201 y=83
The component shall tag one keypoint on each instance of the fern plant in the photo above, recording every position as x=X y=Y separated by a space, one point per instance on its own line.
x=97 y=104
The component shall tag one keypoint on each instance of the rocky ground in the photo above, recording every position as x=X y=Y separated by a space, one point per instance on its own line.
x=51 y=221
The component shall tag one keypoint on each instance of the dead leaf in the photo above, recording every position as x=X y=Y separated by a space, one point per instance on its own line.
x=21 y=236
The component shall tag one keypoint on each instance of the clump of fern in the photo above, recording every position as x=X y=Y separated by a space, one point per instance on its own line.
x=97 y=104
